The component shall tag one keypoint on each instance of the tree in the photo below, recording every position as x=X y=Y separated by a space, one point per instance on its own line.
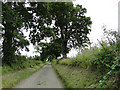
x=0 y=46
x=14 y=17
x=48 y=50
x=41 y=23
x=70 y=26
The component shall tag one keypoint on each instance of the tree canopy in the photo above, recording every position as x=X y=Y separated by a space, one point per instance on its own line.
x=67 y=24
x=14 y=19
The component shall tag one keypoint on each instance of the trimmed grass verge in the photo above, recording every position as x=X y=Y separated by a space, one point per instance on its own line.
x=10 y=79
x=75 y=77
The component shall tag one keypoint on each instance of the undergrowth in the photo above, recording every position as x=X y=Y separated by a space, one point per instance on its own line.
x=22 y=63
x=104 y=59
x=9 y=80
x=21 y=69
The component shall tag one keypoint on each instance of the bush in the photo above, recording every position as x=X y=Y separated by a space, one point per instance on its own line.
x=104 y=57
x=110 y=53
x=38 y=62
x=21 y=62
x=64 y=62
x=6 y=69
x=83 y=59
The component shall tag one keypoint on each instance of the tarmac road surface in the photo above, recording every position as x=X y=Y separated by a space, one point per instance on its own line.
x=44 y=78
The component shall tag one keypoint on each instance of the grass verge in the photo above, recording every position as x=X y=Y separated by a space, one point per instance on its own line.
x=61 y=78
x=75 y=77
x=12 y=78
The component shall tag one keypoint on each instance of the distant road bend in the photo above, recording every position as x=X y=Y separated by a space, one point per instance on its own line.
x=44 y=78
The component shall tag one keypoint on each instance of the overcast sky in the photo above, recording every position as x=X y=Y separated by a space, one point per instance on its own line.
x=102 y=12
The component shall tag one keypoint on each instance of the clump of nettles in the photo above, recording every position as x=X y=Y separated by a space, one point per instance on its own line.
x=109 y=59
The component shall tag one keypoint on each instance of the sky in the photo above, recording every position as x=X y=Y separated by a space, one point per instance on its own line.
x=102 y=13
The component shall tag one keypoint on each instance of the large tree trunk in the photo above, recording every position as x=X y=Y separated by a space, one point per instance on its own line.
x=64 y=43
x=8 y=50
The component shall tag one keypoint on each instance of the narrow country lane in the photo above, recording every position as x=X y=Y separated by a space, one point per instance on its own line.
x=44 y=78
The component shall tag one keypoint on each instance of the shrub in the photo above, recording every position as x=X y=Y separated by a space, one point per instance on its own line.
x=108 y=58
x=64 y=62
x=104 y=57
x=21 y=62
x=6 y=69
x=83 y=59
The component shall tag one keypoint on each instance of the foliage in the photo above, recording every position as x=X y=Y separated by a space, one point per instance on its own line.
x=15 y=16
x=112 y=61
x=70 y=26
x=64 y=62
x=22 y=63
x=0 y=44
x=83 y=59
x=38 y=58
x=23 y=68
x=104 y=59
x=48 y=50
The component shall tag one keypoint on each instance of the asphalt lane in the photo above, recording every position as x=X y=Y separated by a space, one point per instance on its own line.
x=44 y=78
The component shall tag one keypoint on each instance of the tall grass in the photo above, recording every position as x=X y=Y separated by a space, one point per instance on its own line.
x=21 y=69
x=105 y=59
x=10 y=79
x=19 y=66
x=74 y=77
x=83 y=59
x=20 y=63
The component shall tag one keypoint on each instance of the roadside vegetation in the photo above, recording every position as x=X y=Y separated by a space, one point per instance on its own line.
x=94 y=67
x=66 y=26
x=71 y=26
x=19 y=71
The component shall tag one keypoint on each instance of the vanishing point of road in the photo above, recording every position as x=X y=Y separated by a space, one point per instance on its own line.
x=44 y=78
